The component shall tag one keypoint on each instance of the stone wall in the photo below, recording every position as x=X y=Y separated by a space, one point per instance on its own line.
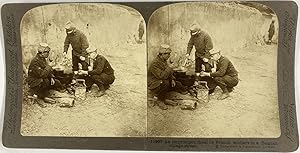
x=105 y=25
x=230 y=25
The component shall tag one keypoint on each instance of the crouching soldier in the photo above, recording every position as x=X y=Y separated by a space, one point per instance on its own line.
x=161 y=79
x=40 y=78
x=99 y=72
x=225 y=75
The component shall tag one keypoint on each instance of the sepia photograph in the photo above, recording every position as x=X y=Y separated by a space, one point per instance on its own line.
x=212 y=71
x=84 y=71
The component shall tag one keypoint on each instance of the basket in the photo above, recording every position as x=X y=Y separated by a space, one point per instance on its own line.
x=80 y=89
x=202 y=91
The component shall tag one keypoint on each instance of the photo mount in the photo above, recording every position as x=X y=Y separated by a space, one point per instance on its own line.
x=287 y=13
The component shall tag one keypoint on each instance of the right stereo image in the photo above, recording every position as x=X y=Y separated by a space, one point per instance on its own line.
x=212 y=71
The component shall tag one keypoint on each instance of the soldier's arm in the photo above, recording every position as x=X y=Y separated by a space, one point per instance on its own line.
x=222 y=70
x=190 y=46
x=100 y=66
x=208 y=43
x=161 y=74
x=66 y=44
x=39 y=72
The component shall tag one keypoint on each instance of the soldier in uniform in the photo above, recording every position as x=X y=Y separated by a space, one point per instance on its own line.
x=40 y=78
x=161 y=79
x=141 y=31
x=271 y=31
x=224 y=75
x=203 y=44
x=99 y=72
x=79 y=43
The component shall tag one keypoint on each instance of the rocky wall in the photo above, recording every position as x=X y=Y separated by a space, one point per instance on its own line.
x=105 y=25
x=230 y=25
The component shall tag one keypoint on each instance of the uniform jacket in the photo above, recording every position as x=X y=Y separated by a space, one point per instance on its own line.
x=101 y=65
x=78 y=41
x=202 y=43
x=158 y=71
x=224 y=67
x=38 y=70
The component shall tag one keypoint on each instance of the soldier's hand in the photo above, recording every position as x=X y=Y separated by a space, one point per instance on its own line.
x=75 y=72
x=173 y=65
x=52 y=82
x=82 y=58
x=51 y=64
x=187 y=56
x=64 y=54
x=202 y=67
x=213 y=70
x=90 y=68
x=204 y=74
x=205 y=60
x=173 y=83
x=82 y=72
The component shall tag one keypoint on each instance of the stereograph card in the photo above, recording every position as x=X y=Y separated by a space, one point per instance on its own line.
x=179 y=76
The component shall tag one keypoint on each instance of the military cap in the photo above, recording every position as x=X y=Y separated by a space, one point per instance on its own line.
x=214 y=51
x=195 y=28
x=91 y=49
x=69 y=27
x=164 y=48
x=43 y=47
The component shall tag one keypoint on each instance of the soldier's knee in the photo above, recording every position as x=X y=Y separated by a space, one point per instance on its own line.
x=46 y=82
x=218 y=79
x=96 y=77
x=165 y=83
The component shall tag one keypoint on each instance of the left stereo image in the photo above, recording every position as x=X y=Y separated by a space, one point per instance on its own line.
x=84 y=71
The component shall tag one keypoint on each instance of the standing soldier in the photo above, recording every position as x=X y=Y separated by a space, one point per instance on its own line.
x=271 y=31
x=40 y=78
x=79 y=44
x=203 y=44
x=141 y=31
x=225 y=75
x=99 y=72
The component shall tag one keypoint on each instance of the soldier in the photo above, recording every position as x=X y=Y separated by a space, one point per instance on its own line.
x=271 y=31
x=203 y=44
x=99 y=72
x=161 y=79
x=79 y=44
x=225 y=75
x=141 y=31
x=40 y=78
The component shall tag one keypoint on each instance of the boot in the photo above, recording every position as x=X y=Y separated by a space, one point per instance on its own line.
x=41 y=103
x=170 y=102
x=211 y=91
x=100 y=93
x=161 y=105
x=230 y=89
x=88 y=89
x=224 y=95
x=49 y=100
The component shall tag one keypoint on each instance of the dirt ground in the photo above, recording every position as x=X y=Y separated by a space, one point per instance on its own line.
x=121 y=112
x=251 y=111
